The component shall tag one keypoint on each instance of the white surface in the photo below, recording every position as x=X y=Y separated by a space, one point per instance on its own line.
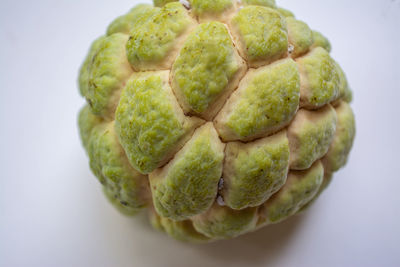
x=52 y=211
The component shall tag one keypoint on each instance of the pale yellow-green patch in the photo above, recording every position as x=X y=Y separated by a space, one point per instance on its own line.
x=161 y=3
x=321 y=41
x=124 y=23
x=180 y=230
x=222 y=222
x=325 y=183
x=104 y=73
x=261 y=34
x=348 y=96
x=204 y=8
x=286 y=13
x=343 y=85
x=345 y=93
x=300 y=36
x=254 y=171
x=155 y=219
x=153 y=39
x=84 y=71
x=188 y=184
x=267 y=3
x=300 y=188
x=149 y=122
x=86 y=122
x=310 y=135
x=183 y=231
x=319 y=79
x=343 y=140
x=110 y=165
x=205 y=66
x=116 y=203
x=266 y=101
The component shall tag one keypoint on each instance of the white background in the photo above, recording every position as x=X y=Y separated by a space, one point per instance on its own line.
x=52 y=211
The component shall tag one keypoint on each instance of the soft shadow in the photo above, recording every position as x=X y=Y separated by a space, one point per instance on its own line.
x=267 y=243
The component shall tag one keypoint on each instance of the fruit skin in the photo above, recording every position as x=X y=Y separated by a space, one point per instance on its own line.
x=267 y=3
x=300 y=188
x=149 y=122
x=264 y=103
x=320 y=78
x=300 y=36
x=257 y=45
x=201 y=73
x=253 y=172
x=321 y=41
x=152 y=39
x=186 y=186
x=310 y=135
x=122 y=183
x=104 y=73
x=125 y=23
x=161 y=3
x=222 y=222
x=201 y=7
x=218 y=117
x=336 y=157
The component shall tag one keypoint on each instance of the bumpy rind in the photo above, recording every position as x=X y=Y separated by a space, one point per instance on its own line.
x=286 y=13
x=152 y=40
x=321 y=41
x=261 y=34
x=253 y=172
x=125 y=23
x=108 y=162
x=222 y=222
x=86 y=122
x=207 y=10
x=320 y=79
x=267 y=3
x=104 y=73
x=188 y=184
x=300 y=37
x=300 y=188
x=325 y=183
x=310 y=135
x=149 y=122
x=264 y=103
x=342 y=143
x=180 y=230
x=161 y=3
x=271 y=143
x=203 y=75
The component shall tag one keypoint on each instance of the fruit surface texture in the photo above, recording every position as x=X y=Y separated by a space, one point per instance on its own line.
x=219 y=117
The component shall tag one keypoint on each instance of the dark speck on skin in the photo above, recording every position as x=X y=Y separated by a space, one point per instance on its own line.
x=90 y=102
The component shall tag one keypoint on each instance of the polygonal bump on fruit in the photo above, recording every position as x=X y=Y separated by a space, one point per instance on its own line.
x=264 y=103
x=207 y=70
x=155 y=40
x=261 y=34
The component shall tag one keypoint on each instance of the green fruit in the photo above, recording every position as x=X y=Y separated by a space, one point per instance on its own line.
x=261 y=34
x=219 y=117
x=299 y=189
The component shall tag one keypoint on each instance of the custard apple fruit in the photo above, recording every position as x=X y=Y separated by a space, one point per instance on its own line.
x=218 y=116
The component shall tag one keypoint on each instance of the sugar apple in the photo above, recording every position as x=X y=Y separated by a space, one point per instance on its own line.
x=218 y=116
